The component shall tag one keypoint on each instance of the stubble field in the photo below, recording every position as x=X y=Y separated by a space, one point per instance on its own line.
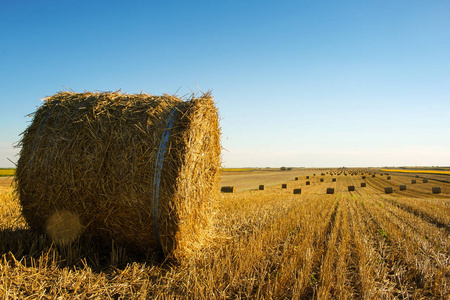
x=271 y=244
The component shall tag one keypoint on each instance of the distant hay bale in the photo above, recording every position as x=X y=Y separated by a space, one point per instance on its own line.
x=141 y=169
x=417 y=176
x=413 y=181
x=297 y=191
x=284 y=186
x=307 y=177
x=403 y=187
x=373 y=176
x=363 y=184
x=436 y=190
x=261 y=187
x=388 y=178
x=351 y=188
x=333 y=179
x=228 y=189
x=388 y=190
x=364 y=177
x=330 y=190
x=425 y=180
x=308 y=183
x=321 y=179
x=296 y=178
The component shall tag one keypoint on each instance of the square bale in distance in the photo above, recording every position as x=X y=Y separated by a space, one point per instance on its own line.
x=403 y=187
x=413 y=181
x=321 y=179
x=388 y=190
x=425 y=180
x=436 y=190
x=308 y=183
x=297 y=191
x=330 y=190
x=261 y=187
x=228 y=189
x=284 y=186
x=363 y=184
x=351 y=188
x=333 y=180
x=388 y=178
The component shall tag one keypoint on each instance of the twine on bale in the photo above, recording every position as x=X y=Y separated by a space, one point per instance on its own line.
x=158 y=169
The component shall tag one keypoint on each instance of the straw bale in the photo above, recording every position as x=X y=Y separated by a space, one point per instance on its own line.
x=417 y=176
x=351 y=188
x=364 y=177
x=296 y=178
x=228 y=189
x=307 y=177
x=363 y=184
x=373 y=176
x=261 y=187
x=297 y=191
x=284 y=186
x=333 y=179
x=403 y=187
x=321 y=179
x=436 y=190
x=330 y=190
x=95 y=164
x=388 y=178
x=425 y=180
x=388 y=190
x=308 y=183
x=413 y=181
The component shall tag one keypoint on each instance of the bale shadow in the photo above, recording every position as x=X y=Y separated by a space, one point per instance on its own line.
x=32 y=248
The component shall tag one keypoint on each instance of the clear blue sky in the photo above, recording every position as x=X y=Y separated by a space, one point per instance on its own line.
x=297 y=83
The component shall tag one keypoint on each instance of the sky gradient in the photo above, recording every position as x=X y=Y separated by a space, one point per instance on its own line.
x=297 y=83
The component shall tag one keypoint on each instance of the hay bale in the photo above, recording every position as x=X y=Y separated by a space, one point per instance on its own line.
x=363 y=184
x=364 y=177
x=403 y=187
x=308 y=183
x=333 y=179
x=284 y=186
x=388 y=178
x=388 y=190
x=141 y=169
x=417 y=176
x=373 y=176
x=297 y=191
x=261 y=187
x=413 y=181
x=228 y=189
x=307 y=177
x=351 y=188
x=436 y=190
x=330 y=190
x=296 y=178
x=321 y=179
x=425 y=180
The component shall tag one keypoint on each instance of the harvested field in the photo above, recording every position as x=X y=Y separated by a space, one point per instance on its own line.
x=271 y=244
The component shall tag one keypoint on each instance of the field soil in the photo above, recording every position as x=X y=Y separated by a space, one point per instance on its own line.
x=271 y=244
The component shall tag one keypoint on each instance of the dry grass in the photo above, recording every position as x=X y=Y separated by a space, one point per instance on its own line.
x=272 y=245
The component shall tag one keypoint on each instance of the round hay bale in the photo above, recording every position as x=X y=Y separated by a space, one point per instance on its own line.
x=141 y=169
x=403 y=187
x=228 y=189
x=330 y=190
x=261 y=187
x=388 y=190
x=436 y=190
x=297 y=191
x=363 y=184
